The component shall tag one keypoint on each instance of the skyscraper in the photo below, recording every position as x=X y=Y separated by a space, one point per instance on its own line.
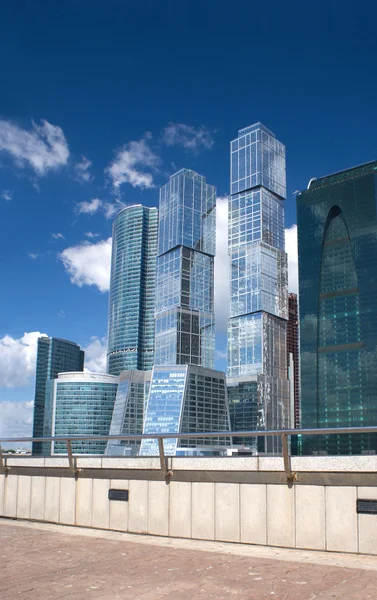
x=293 y=357
x=53 y=356
x=258 y=387
x=185 y=322
x=337 y=247
x=132 y=290
x=186 y=394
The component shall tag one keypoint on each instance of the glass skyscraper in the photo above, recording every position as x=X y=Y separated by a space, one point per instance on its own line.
x=186 y=394
x=53 y=356
x=185 y=322
x=82 y=404
x=337 y=247
x=132 y=290
x=258 y=387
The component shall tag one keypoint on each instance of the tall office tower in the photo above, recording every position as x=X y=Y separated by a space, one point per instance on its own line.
x=258 y=388
x=82 y=404
x=132 y=290
x=53 y=356
x=337 y=248
x=185 y=321
x=186 y=394
x=293 y=357
x=128 y=414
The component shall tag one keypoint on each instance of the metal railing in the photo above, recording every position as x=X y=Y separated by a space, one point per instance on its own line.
x=284 y=434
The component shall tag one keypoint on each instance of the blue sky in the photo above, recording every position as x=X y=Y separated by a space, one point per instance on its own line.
x=101 y=101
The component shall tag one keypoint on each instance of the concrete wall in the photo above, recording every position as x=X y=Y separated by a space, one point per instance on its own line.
x=202 y=501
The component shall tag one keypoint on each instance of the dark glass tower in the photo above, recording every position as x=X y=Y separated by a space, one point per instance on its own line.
x=293 y=357
x=53 y=356
x=337 y=246
x=132 y=290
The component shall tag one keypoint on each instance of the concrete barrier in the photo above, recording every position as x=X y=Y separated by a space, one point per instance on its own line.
x=236 y=500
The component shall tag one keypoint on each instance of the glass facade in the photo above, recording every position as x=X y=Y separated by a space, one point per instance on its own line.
x=53 y=356
x=257 y=364
x=83 y=404
x=337 y=241
x=185 y=399
x=128 y=411
x=185 y=322
x=132 y=290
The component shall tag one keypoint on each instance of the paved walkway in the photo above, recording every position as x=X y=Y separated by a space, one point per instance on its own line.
x=41 y=561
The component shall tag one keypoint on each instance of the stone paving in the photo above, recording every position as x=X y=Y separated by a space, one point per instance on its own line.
x=40 y=561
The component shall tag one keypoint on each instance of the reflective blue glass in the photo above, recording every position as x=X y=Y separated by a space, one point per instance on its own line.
x=83 y=405
x=337 y=242
x=184 y=319
x=186 y=399
x=257 y=364
x=128 y=411
x=132 y=290
x=53 y=356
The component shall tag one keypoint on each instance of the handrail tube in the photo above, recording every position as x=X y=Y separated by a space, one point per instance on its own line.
x=212 y=434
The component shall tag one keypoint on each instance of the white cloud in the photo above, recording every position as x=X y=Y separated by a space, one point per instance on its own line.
x=33 y=255
x=82 y=169
x=58 y=236
x=222 y=265
x=291 y=249
x=191 y=138
x=128 y=162
x=7 y=195
x=18 y=359
x=109 y=209
x=89 y=264
x=16 y=419
x=43 y=148
x=89 y=208
x=95 y=355
x=91 y=235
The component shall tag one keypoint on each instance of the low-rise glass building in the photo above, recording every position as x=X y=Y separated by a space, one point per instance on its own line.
x=128 y=411
x=82 y=404
x=186 y=399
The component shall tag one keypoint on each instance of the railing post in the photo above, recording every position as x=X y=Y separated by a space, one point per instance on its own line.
x=3 y=466
x=291 y=477
x=164 y=460
x=72 y=460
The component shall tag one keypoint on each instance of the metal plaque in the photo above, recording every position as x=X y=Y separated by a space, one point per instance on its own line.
x=366 y=507
x=121 y=495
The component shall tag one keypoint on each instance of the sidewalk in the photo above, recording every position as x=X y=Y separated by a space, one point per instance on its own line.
x=42 y=561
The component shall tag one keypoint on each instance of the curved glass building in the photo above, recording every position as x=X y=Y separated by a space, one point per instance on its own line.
x=132 y=290
x=337 y=249
x=82 y=404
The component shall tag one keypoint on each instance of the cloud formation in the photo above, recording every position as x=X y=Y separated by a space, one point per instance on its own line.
x=89 y=208
x=89 y=264
x=95 y=355
x=58 y=236
x=82 y=170
x=18 y=359
x=43 y=148
x=130 y=163
x=16 y=419
x=7 y=195
x=191 y=138
x=109 y=209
